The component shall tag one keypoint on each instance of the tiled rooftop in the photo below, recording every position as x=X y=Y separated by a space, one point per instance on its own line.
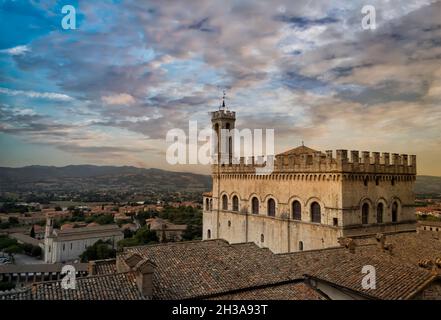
x=216 y=269
x=120 y=286
x=287 y=291
x=101 y=267
x=193 y=269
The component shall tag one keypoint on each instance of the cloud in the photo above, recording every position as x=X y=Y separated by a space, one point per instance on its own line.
x=119 y=99
x=16 y=51
x=38 y=95
x=308 y=70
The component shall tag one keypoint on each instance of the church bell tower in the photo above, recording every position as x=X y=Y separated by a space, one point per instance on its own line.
x=223 y=121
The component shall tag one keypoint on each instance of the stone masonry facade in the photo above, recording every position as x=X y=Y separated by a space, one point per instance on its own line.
x=311 y=199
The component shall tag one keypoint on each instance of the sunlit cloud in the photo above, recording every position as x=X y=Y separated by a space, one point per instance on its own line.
x=37 y=95
x=133 y=70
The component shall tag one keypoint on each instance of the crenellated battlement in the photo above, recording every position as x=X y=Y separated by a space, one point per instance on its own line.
x=223 y=114
x=330 y=161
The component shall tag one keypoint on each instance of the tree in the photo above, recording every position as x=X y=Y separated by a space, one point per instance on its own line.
x=13 y=220
x=98 y=251
x=27 y=248
x=14 y=249
x=143 y=236
x=6 y=286
x=6 y=242
x=32 y=233
x=5 y=225
x=36 y=251
x=105 y=219
x=128 y=233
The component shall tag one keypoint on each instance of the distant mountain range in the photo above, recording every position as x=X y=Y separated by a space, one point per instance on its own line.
x=90 y=177
x=428 y=185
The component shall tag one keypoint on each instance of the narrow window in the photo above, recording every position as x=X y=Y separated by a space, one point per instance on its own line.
x=380 y=208
x=207 y=204
x=235 y=203
x=224 y=202
x=394 y=212
x=296 y=210
x=365 y=214
x=271 y=208
x=315 y=213
x=211 y=204
x=300 y=245
x=255 y=205
x=335 y=222
x=208 y=234
x=229 y=223
x=262 y=238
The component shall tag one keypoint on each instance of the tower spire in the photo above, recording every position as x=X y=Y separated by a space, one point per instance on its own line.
x=223 y=99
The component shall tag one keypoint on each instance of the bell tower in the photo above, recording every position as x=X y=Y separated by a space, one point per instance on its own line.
x=223 y=120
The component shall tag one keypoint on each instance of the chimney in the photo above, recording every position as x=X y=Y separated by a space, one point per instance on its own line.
x=144 y=277
x=381 y=240
x=351 y=245
x=91 y=268
x=132 y=260
x=348 y=243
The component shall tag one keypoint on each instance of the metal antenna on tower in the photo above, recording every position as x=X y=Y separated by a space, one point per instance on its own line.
x=223 y=99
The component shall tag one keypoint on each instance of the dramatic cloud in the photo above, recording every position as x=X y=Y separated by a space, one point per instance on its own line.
x=119 y=99
x=132 y=70
x=33 y=94
x=18 y=50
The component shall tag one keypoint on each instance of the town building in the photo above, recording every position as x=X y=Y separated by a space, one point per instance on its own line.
x=310 y=199
x=408 y=266
x=165 y=230
x=431 y=227
x=68 y=244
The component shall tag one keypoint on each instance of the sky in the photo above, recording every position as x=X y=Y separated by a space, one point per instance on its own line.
x=108 y=91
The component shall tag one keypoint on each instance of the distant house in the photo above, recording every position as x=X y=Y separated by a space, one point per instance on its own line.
x=39 y=231
x=25 y=239
x=165 y=230
x=433 y=227
x=68 y=244
x=129 y=226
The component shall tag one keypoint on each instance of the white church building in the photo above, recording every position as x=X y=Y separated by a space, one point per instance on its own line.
x=68 y=245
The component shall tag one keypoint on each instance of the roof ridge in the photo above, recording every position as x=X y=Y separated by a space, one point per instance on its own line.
x=255 y=287
x=169 y=244
x=81 y=278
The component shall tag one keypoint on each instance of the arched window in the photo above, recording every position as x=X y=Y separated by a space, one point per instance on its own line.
x=394 y=211
x=211 y=204
x=380 y=209
x=262 y=238
x=224 y=202
x=300 y=245
x=271 y=208
x=208 y=234
x=255 y=205
x=296 y=210
x=365 y=213
x=207 y=204
x=316 y=212
x=235 y=203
